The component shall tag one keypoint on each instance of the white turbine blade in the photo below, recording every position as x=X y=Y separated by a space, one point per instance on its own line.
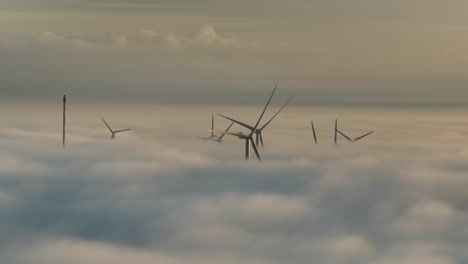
x=264 y=109
x=266 y=124
x=238 y=122
x=107 y=125
x=227 y=129
x=122 y=130
x=255 y=149
x=261 y=140
x=344 y=135
x=365 y=135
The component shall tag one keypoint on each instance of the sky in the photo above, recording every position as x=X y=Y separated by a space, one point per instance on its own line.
x=391 y=53
x=158 y=194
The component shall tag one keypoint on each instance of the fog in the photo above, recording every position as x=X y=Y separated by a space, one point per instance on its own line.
x=158 y=194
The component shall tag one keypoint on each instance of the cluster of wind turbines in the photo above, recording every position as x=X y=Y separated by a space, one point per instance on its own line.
x=214 y=137
x=337 y=131
x=248 y=137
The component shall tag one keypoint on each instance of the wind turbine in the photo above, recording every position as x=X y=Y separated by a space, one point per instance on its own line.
x=313 y=131
x=356 y=139
x=348 y=138
x=220 y=138
x=114 y=131
x=212 y=131
x=258 y=131
x=248 y=137
x=336 y=129
x=64 y=100
x=213 y=137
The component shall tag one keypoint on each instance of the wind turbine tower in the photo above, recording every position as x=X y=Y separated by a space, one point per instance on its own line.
x=64 y=108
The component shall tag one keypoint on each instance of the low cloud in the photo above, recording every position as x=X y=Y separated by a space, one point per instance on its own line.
x=153 y=197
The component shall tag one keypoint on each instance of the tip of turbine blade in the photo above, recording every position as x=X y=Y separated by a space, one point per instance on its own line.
x=365 y=135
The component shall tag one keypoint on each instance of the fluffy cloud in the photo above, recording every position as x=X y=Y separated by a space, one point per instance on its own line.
x=207 y=36
x=142 y=40
x=157 y=194
x=53 y=40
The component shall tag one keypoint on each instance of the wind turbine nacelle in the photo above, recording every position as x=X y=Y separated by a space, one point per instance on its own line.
x=241 y=135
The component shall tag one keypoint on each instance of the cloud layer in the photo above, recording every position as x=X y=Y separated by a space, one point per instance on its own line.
x=156 y=194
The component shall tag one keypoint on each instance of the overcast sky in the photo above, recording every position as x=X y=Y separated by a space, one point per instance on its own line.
x=325 y=52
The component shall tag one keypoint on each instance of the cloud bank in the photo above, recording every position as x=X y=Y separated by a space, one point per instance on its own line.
x=177 y=62
x=326 y=52
x=157 y=66
x=206 y=36
x=151 y=198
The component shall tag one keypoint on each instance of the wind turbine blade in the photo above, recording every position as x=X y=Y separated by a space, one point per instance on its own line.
x=255 y=149
x=212 y=124
x=233 y=134
x=238 y=122
x=107 y=125
x=365 y=135
x=227 y=129
x=266 y=124
x=122 y=130
x=264 y=109
x=336 y=128
x=257 y=138
x=313 y=131
x=202 y=138
x=261 y=139
x=344 y=136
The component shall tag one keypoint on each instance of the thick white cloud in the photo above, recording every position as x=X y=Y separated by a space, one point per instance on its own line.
x=157 y=194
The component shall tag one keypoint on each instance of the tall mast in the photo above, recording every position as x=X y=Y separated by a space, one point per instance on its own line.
x=64 y=107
